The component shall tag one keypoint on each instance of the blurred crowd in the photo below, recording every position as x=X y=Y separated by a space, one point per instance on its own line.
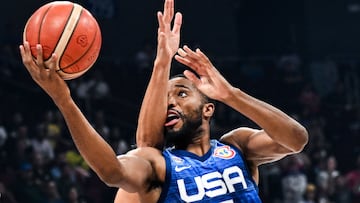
x=40 y=164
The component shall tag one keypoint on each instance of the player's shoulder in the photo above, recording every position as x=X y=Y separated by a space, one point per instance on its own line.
x=153 y=155
x=145 y=152
x=239 y=132
x=238 y=136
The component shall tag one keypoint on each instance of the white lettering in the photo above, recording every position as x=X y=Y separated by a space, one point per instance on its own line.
x=209 y=183
x=183 y=194
x=227 y=201
x=213 y=184
x=230 y=182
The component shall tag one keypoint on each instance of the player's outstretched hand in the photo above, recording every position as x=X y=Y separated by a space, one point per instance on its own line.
x=43 y=74
x=168 y=38
x=210 y=81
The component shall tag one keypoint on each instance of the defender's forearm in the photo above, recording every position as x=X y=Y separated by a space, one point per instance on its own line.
x=150 y=130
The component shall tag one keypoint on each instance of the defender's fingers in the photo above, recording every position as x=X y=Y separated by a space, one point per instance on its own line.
x=171 y=10
x=161 y=22
x=177 y=23
x=168 y=10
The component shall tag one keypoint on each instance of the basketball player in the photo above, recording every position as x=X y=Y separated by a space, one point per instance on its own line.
x=269 y=149
x=196 y=169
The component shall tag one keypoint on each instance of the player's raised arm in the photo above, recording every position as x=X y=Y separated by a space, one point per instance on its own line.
x=92 y=147
x=150 y=130
x=281 y=134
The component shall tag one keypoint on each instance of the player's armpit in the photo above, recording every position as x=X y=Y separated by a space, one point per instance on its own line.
x=139 y=169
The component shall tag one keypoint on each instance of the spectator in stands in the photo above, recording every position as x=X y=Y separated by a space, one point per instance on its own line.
x=353 y=181
x=294 y=181
x=326 y=178
x=27 y=189
x=41 y=143
x=310 y=194
x=6 y=195
x=51 y=193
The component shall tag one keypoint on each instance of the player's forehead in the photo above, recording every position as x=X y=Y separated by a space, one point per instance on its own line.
x=180 y=82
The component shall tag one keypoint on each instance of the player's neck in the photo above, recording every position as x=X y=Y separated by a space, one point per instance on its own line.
x=199 y=145
x=200 y=149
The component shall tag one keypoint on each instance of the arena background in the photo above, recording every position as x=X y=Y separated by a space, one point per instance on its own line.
x=301 y=56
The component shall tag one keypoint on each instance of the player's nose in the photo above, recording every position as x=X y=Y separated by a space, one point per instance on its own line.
x=171 y=101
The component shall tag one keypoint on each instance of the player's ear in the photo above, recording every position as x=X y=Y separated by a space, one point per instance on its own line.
x=208 y=109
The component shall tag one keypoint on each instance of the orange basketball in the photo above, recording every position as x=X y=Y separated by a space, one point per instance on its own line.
x=68 y=30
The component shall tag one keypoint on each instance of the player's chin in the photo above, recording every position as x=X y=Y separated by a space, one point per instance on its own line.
x=172 y=130
x=175 y=127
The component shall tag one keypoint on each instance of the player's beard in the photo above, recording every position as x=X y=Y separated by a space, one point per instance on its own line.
x=188 y=131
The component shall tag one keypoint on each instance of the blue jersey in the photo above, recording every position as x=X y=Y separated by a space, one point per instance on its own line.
x=220 y=176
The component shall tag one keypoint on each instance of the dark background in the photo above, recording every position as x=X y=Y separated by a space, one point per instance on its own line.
x=281 y=51
x=223 y=28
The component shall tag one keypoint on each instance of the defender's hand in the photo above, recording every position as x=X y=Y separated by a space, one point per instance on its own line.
x=168 y=39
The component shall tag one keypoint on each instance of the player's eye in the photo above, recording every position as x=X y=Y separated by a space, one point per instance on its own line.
x=182 y=94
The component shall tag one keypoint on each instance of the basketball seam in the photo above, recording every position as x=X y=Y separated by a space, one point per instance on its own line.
x=39 y=31
x=92 y=42
x=62 y=40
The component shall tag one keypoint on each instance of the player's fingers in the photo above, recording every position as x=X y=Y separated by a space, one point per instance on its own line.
x=182 y=60
x=181 y=52
x=39 y=57
x=202 y=55
x=187 y=62
x=177 y=23
x=190 y=52
x=199 y=57
x=192 y=56
x=27 y=57
x=51 y=64
x=24 y=49
x=27 y=52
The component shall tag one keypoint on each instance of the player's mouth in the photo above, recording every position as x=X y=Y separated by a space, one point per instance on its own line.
x=172 y=118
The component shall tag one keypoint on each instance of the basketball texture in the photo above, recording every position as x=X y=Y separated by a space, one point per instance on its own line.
x=68 y=30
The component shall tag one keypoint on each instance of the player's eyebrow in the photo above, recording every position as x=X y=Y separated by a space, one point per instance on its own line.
x=182 y=86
